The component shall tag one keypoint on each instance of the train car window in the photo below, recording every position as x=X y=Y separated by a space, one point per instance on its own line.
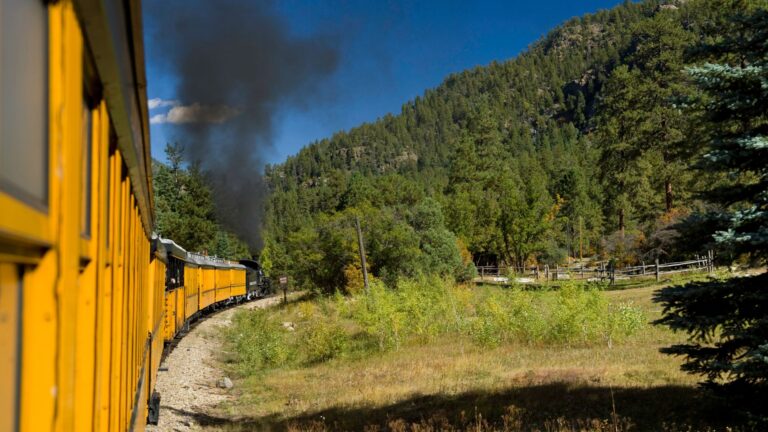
x=91 y=99
x=174 y=273
x=168 y=274
x=24 y=101
x=112 y=148
x=85 y=221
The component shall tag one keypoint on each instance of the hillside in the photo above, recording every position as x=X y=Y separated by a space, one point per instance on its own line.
x=530 y=160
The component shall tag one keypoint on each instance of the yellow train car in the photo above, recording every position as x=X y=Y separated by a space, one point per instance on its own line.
x=88 y=297
x=195 y=283
x=238 y=282
x=192 y=283
x=208 y=288
x=223 y=284
x=79 y=310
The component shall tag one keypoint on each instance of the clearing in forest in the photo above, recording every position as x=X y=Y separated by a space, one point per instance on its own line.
x=437 y=356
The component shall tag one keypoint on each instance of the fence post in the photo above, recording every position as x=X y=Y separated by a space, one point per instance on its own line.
x=482 y=273
x=612 y=270
x=557 y=271
x=711 y=261
x=657 y=269
x=643 y=263
x=536 y=272
x=582 y=270
x=546 y=272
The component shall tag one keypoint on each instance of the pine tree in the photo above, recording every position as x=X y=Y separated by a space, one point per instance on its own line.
x=185 y=208
x=727 y=321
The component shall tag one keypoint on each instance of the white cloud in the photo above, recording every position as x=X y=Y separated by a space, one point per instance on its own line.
x=159 y=103
x=196 y=113
x=157 y=119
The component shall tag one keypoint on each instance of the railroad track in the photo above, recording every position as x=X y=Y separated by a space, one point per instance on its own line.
x=189 y=375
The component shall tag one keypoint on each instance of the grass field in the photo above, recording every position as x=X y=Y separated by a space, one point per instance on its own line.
x=450 y=382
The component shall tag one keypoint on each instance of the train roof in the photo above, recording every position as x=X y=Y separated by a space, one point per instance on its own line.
x=211 y=261
x=167 y=247
x=113 y=31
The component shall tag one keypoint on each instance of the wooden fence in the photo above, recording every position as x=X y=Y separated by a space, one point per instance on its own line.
x=601 y=271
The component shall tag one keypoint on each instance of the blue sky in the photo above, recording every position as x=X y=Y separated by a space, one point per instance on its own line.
x=389 y=53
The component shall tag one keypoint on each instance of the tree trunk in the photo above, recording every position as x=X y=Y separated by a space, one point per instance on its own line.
x=621 y=222
x=668 y=194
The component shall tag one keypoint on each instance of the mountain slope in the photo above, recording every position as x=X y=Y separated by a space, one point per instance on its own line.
x=507 y=151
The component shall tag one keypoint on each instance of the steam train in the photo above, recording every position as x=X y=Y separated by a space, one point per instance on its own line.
x=88 y=297
x=195 y=283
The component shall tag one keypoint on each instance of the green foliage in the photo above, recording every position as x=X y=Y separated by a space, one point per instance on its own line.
x=422 y=310
x=324 y=254
x=532 y=160
x=726 y=319
x=185 y=209
x=258 y=342
x=573 y=315
x=325 y=340
x=183 y=203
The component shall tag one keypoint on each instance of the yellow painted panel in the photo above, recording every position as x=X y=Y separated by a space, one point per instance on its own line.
x=9 y=339
x=99 y=251
x=85 y=348
x=38 y=374
x=56 y=277
x=180 y=302
x=107 y=370
x=117 y=301
x=88 y=291
x=192 y=291
x=20 y=222
x=238 y=291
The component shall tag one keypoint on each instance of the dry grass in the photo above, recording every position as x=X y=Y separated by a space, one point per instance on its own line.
x=452 y=384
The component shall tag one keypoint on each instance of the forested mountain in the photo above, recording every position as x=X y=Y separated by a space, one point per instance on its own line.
x=582 y=145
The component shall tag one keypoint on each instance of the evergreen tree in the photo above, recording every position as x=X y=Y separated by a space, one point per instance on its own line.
x=185 y=208
x=726 y=320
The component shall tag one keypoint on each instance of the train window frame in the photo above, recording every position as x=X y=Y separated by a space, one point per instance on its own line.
x=111 y=155
x=26 y=215
x=91 y=102
x=174 y=273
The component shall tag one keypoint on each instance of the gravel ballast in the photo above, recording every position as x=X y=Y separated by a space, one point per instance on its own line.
x=189 y=377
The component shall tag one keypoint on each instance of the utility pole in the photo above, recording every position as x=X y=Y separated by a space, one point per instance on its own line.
x=581 y=243
x=361 y=247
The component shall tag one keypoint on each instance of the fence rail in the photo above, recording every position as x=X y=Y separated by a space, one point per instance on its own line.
x=600 y=271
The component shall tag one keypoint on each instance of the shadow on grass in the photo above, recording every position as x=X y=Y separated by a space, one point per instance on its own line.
x=547 y=407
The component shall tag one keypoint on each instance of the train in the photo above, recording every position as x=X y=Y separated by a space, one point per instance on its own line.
x=194 y=284
x=89 y=296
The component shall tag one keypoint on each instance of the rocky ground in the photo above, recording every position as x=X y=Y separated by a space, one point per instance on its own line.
x=190 y=381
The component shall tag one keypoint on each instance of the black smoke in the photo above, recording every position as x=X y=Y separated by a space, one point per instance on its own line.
x=236 y=63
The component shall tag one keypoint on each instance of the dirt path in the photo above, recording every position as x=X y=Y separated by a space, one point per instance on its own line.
x=188 y=377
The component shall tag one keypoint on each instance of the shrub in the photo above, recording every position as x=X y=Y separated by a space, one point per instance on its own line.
x=490 y=326
x=379 y=316
x=573 y=315
x=324 y=340
x=578 y=315
x=419 y=311
x=258 y=342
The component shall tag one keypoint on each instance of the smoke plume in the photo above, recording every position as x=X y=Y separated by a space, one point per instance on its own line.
x=236 y=63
